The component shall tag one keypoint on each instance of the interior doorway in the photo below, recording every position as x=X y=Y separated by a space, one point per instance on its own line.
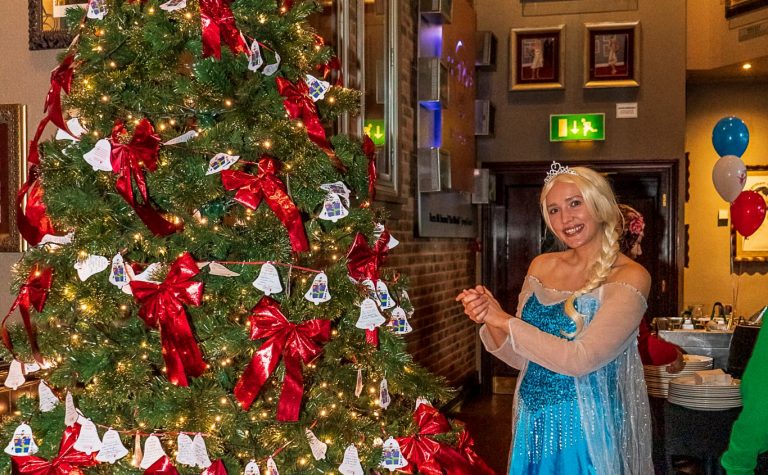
x=514 y=233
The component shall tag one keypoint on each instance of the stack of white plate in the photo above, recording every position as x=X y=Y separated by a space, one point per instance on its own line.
x=684 y=391
x=657 y=377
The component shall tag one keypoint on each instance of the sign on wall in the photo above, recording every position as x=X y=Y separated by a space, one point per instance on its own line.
x=572 y=127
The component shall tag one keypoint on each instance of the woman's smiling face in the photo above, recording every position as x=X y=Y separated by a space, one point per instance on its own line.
x=569 y=215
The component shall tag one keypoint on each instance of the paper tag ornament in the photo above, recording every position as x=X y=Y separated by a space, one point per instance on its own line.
x=137 y=453
x=351 y=464
x=399 y=322
x=333 y=210
x=15 y=376
x=99 y=156
x=90 y=265
x=318 y=448
x=97 y=10
x=422 y=400
x=74 y=126
x=57 y=240
x=22 y=443
x=256 y=60
x=32 y=367
x=272 y=467
x=317 y=87
x=173 y=5
x=185 y=454
x=359 y=384
x=70 y=411
x=118 y=276
x=201 y=452
x=382 y=292
x=48 y=400
x=88 y=441
x=370 y=317
x=378 y=230
x=268 y=280
x=221 y=162
x=384 y=398
x=271 y=69
x=391 y=455
x=153 y=451
x=252 y=468
x=112 y=448
x=339 y=188
x=186 y=136
x=318 y=291
x=214 y=268
x=145 y=276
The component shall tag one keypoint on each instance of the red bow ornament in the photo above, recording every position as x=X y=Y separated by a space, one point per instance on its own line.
x=218 y=24
x=65 y=463
x=32 y=293
x=362 y=261
x=267 y=186
x=293 y=342
x=369 y=149
x=162 y=304
x=128 y=161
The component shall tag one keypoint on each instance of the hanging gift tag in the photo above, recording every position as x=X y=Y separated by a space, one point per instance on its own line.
x=153 y=451
x=333 y=210
x=371 y=287
x=22 y=443
x=391 y=455
x=88 y=441
x=31 y=367
x=384 y=398
x=57 y=240
x=221 y=162
x=15 y=377
x=318 y=291
x=318 y=448
x=137 y=453
x=97 y=9
x=214 y=268
x=252 y=468
x=48 y=400
x=74 y=126
x=382 y=292
x=272 y=68
x=399 y=322
x=351 y=464
x=256 y=60
x=146 y=276
x=112 y=448
x=90 y=265
x=422 y=400
x=359 y=384
x=186 y=136
x=70 y=411
x=377 y=232
x=201 y=451
x=118 y=275
x=272 y=467
x=185 y=454
x=317 y=87
x=173 y=5
x=370 y=317
x=268 y=280
x=339 y=188
x=99 y=156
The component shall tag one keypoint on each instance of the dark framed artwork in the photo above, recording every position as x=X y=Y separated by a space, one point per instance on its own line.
x=47 y=29
x=537 y=58
x=13 y=127
x=735 y=8
x=612 y=54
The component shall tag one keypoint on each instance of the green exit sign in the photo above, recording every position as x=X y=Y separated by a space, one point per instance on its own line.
x=570 y=127
x=376 y=130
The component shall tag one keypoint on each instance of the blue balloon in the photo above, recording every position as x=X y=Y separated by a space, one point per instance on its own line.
x=730 y=136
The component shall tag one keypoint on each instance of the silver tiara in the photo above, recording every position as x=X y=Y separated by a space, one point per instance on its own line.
x=557 y=169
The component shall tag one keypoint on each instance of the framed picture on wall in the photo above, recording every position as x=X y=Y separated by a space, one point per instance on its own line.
x=612 y=54
x=536 y=58
x=755 y=247
x=740 y=7
x=13 y=123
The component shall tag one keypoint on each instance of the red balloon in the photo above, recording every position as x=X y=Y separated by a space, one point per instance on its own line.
x=747 y=212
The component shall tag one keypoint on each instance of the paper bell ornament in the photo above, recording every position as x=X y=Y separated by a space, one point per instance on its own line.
x=90 y=265
x=202 y=459
x=382 y=292
x=351 y=464
x=370 y=317
x=391 y=455
x=422 y=400
x=144 y=276
x=47 y=400
x=186 y=136
x=339 y=188
x=70 y=411
x=318 y=291
x=75 y=127
x=268 y=280
x=97 y=10
x=359 y=384
x=371 y=287
x=137 y=452
x=88 y=441
x=99 y=157
x=252 y=468
x=112 y=448
x=377 y=232
x=333 y=209
x=56 y=241
x=272 y=467
x=399 y=322
x=214 y=268
x=317 y=87
x=384 y=399
x=15 y=377
x=153 y=451
x=118 y=276
x=185 y=454
x=317 y=447
x=22 y=443
x=173 y=5
x=256 y=59
x=221 y=162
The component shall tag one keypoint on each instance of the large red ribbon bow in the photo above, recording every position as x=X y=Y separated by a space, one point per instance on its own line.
x=128 y=161
x=65 y=463
x=293 y=342
x=431 y=457
x=162 y=304
x=369 y=149
x=267 y=186
x=219 y=24
x=32 y=293
x=362 y=261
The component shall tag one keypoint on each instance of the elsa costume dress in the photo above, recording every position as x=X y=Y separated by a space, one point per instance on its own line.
x=581 y=405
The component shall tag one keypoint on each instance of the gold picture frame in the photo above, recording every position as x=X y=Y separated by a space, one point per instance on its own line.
x=612 y=54
x=537 y=58
x=46 y=23
x=13 y=159
x=755 y=247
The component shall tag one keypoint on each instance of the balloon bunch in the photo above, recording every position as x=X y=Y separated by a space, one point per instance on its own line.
x=730 y=138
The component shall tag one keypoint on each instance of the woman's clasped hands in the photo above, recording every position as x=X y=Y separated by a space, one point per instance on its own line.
x=482 y=307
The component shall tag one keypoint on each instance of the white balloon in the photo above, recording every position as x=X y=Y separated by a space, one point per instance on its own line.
x=729 y=176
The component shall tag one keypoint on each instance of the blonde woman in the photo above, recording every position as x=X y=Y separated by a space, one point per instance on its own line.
x=580 y=405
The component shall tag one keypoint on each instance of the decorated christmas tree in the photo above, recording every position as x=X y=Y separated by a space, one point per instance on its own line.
x=204 y=289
